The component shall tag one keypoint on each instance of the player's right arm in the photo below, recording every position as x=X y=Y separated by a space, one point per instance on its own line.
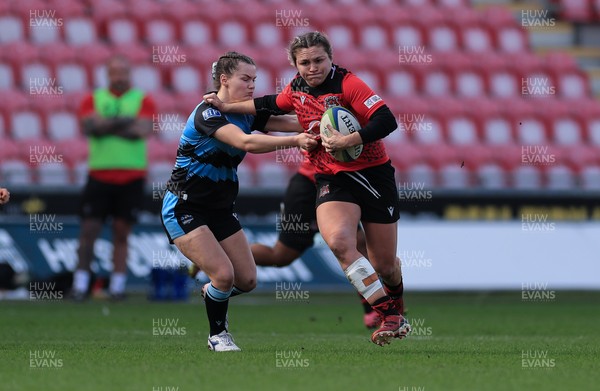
x=211 y=122
x=261 y=143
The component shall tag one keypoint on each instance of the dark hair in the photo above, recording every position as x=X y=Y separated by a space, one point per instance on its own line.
x=307 y=40
x=227 y=64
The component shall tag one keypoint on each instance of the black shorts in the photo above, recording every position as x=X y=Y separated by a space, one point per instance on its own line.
x=101 y=199
x=373 y=189
x=180 y=217
x=297 y=222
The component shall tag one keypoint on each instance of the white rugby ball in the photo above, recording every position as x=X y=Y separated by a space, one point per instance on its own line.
x=346 y=123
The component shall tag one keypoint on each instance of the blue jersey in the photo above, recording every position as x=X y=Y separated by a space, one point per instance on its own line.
x=205 y=171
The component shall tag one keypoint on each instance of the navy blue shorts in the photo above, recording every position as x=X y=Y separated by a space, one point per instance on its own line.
x=180 y=217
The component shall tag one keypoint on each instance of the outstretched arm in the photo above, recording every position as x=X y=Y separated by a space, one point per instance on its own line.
x=261 y=143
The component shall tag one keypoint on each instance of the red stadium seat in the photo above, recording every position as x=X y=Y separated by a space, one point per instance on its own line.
x=576 y=10
x=12 y=27
x=527 y=178
x=74 y=151
x=443 y=37
x=62 y=125
x=589 y=178
x=15 y=172
x=421 y=174
x=7 y=77
x=477 y=38
x=26 y=125
x=80 y=31
x=53 y=174
x=160 y=31
x=186 y=78
x=72 y=77
x=508 y=35
x=491 y=176
x=560 y=177
x=437 y=82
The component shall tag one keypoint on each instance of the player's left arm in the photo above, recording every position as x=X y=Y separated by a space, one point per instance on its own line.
x=283 y=123
x=367 y=104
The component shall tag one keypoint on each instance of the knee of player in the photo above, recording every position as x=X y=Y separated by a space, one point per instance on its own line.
x=222 y=281
x=387 y=269
x=341 y=245
x=247 y=284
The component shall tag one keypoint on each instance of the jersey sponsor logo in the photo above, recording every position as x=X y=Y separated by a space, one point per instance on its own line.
x=323 y=191
x=186 y=219
x=331 y=101
x=391 y=210
x=210 y=113
x=371 y=101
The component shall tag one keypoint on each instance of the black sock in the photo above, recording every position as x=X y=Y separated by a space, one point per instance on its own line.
x=385 y=306
x=217 y=314
x=366 y=306
x=236 y=291
x=394 y=291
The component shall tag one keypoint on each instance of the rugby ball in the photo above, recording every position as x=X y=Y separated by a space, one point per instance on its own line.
x=346 y=123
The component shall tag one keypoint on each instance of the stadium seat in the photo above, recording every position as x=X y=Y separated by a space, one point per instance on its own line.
x=160 y=31
x=527 y=178
x=72 y=77
x=53 y=174
x=26 y=125
x=408 y=33
x=159 y=172
x=197 y=32
x=422 y=174
x=462 y=129
x=15 y=172
x=443 y=37
x=80 y=173
x=36 y=78
x=476 y=38
x=560 y=177
x=62 y=125
x=80 y=31
x=454 y=177
x=12 y=28
x=169 y=125
x=245 y=175
x=589 y=178
x=573 y=84
x=122 y=30
x=491 y=176
x=271 y=175
x=146 y=77
x=508 y=36
x=437 y=82
x=7 y=77
x=469 y=83
x=566 y=130
x=186 y=78
x=576 y=10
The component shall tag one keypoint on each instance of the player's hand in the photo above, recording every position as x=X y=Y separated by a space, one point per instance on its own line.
x=4 y=196
x=306 y=141
x=214 y=100
x=335 y=141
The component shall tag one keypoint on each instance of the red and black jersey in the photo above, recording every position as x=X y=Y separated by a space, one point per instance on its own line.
x=341 y=88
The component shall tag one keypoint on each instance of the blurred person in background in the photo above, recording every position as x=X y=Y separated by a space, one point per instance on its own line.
x=117 y=120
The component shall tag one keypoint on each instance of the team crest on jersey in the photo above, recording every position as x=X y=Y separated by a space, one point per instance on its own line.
x=186 y=219
x=323 y=191
x=302 y=98
x=331 y=101
x=210 y=113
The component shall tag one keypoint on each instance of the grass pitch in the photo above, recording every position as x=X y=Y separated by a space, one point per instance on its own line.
x=460 y=342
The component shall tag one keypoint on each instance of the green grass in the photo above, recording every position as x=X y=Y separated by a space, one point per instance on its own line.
x=466 y=342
